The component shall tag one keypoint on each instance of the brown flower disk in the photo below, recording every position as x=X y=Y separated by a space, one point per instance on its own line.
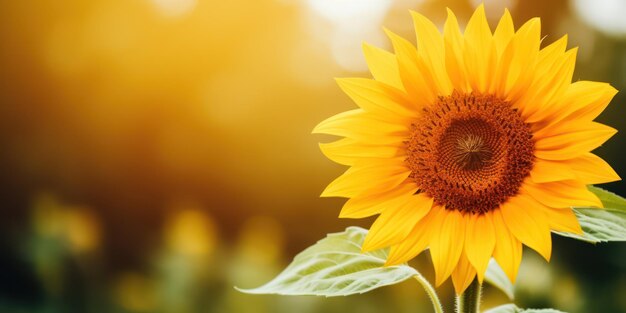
x=470 y=152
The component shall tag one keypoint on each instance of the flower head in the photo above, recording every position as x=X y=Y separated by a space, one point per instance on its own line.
x=471 y=145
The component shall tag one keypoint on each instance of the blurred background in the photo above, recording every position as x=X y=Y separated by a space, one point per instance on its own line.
x=156 y=153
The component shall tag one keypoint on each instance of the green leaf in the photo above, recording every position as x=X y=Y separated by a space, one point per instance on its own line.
x=335 y=266
x=496 y=277
x=507 y=308
x=511 y=308
x=601 y=225
x=609 y=199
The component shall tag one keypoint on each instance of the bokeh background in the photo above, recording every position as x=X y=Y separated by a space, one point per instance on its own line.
x=156 y=153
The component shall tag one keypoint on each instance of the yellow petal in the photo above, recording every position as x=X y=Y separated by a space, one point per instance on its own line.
x=395 y=224
x=573 y=142
x=446 y=244
x=413 y=80
x=359 y=125
x=513 y=73
x=417 y=240
x=582 y=101
x=376 y=202
x=383 y=65
x=430 y=49
x=378 y=98
x=463 y=274
x=348 y=151
x=526 y=220
x=508 y=250
x=455 y=65
x=480 y=241
x=548 y=171
x=549 y=87
x=504 y=32
x=563 y=220
x=594 y=106
x=591 y=169
x=546 y=75
x=562 y=194
x=564 y=127
x=359 y=180
x=552 y=53
x=480 y=51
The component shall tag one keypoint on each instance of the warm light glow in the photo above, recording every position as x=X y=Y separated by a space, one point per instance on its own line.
x=350 y=11
x=113 y=111
x=605 y=15
x=82 y=230
x=494 y=8
x=190 y=232
x=347 y=52
x=262 y=239
x=352 y=22
x=175 y=8
x=76 y=226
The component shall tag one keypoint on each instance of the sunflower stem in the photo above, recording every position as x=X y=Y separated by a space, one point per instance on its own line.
x=431 y=293
x=469 y=300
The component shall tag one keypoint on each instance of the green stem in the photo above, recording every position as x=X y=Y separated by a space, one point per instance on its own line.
x=431 y=293
x=469 y=300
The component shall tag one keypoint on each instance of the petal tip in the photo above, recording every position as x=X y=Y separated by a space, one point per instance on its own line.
x=480 y=276
x=318 y=129
x=329 y=192
x=391 y=262
x=416 y=15
x=546 y=254
x=342 y=214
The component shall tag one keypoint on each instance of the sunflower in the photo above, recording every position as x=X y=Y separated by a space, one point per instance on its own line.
x=471 y=145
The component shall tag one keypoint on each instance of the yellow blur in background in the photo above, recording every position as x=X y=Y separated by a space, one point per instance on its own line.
x=156 y=153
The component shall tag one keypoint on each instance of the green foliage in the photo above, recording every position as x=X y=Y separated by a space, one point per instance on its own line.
x=609 y=199
x=511 y=308
x=507 y=308
x=496 y=277
x=335 y=266
x=601 y=225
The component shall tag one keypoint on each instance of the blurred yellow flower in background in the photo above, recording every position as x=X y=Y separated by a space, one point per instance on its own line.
x=470 y=145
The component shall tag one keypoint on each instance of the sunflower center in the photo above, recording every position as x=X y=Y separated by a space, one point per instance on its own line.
x=470 y=152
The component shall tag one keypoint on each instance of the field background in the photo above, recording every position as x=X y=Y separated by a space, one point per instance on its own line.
x=156 y=153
